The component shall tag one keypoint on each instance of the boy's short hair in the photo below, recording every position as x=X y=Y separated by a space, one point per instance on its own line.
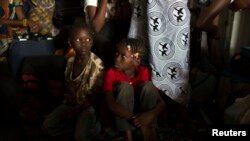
x=76 y=27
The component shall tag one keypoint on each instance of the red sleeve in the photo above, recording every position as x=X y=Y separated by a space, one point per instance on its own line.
x=109 y=80
x=146 y=74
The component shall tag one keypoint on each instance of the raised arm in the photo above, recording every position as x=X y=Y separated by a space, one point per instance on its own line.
x=240 y=5
x=96 y=15
x=207 y=16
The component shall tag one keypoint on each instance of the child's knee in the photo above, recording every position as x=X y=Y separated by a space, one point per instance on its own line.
x=124 y=87
x=148 y=86
x=47 y=129
x=51 y=127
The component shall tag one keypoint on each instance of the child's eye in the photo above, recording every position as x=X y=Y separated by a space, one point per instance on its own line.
x=77 y=40
x=85 y=40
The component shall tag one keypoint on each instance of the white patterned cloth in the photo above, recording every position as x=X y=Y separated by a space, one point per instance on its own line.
x=165 y=24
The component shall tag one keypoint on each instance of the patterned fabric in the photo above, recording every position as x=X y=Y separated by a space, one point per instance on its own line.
x=5 y=30
x=8 y=13
x=4 y=44
x=42 y=11
x=88 y=82
x=168 y=34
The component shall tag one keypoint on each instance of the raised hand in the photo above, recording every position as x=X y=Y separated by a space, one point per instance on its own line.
x=240 y=5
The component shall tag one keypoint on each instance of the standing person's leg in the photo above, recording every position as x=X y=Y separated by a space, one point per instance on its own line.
x=53 y=125
x=214 y=49
x=87 y=126
x=125 y=97
x=148 y=99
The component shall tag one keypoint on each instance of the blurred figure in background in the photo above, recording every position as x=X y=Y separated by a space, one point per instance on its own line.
x=42 y=11
x=13 y=22
x=208 y=21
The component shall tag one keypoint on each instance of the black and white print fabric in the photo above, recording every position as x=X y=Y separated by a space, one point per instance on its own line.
x=165 y=25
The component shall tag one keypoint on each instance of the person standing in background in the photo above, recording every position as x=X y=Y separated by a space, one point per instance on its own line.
x=214 y=9
x=165 y=25
x=42 y=11
x=12 y=22
x=208 y=21
x=205 y=23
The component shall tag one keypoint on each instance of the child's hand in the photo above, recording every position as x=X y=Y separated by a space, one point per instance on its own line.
x=144 y=119
x=135 y=121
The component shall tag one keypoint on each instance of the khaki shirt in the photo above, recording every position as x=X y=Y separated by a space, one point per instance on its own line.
x=88 y=82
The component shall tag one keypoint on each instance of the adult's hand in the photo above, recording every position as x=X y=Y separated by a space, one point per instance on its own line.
x=240 y=5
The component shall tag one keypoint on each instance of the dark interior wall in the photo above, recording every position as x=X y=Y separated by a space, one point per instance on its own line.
x=245 y=34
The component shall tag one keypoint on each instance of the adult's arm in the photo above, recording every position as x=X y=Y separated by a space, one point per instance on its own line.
x=240 y=5
x=97 y=15
x=205 y=19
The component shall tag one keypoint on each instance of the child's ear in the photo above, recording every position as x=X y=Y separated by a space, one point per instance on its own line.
x=137 y=61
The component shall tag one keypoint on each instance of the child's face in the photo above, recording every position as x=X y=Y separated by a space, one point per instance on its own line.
x=123 y=58
x=82 y=41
